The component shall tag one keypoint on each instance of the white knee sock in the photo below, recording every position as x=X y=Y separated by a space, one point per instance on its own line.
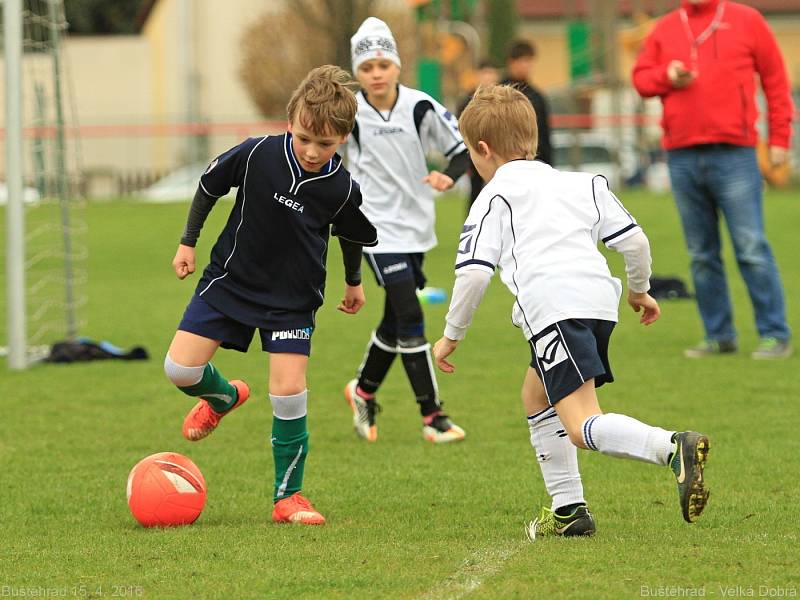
x=180 y=375
x=557 y=457
x=289 y=407
x=625 y=437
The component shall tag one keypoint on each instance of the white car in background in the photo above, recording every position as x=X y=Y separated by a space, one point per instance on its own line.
x=594 y=154
x=29 y=195
x=178 y=186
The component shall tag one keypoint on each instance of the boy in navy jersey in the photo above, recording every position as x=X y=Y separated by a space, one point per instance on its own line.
x=541 y=227
x=395 y=127
x=267 y=271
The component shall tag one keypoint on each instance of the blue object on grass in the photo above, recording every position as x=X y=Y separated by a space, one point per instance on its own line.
x=432 y=295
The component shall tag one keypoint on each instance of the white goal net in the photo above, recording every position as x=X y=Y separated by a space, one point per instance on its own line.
x=50 y=256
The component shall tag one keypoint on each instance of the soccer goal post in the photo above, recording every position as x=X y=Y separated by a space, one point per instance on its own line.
x=15 y=208
x=46 y=252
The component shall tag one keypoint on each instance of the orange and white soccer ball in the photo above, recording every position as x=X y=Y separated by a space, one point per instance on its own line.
x=166 y=489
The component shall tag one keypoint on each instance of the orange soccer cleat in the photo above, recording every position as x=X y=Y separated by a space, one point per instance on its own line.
x=203 y=419
x=296 y=509
x=364 y=412
x=439 y=429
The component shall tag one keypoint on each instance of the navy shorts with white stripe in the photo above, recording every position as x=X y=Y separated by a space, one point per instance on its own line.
x=571 y=352
x=200 y=318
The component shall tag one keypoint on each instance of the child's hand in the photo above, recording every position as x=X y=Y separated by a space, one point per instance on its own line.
x=648 y=303
x=438 y=181
x=353 y=299
x=183 y=263
x=441 y=350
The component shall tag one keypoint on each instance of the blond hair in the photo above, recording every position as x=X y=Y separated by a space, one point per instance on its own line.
x=324 y=102
x=503 y=117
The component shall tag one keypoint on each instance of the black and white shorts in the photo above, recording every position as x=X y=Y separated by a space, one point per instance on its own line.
x=395 y=268
x=569 y=353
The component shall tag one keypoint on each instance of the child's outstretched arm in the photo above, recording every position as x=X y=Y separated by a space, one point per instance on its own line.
x=647 y=304
x=442 y=181
x=223 y=173
x=438 y=131
x=635 y=249
x=353 y=298
x=468 y=292
x=354 y=231
x=184 y=261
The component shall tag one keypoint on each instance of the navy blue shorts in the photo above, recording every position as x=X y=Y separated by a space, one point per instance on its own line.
x=569 y=353
x=395 y=268
x=203 y=319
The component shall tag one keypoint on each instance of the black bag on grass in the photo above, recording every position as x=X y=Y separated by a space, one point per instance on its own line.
x=83 y=349
x=668 y=288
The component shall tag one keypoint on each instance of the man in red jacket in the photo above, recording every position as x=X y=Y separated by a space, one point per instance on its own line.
x=701 y=60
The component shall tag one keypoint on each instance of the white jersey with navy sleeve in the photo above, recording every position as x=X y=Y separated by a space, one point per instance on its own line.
x=541 y=226
x=386 y=155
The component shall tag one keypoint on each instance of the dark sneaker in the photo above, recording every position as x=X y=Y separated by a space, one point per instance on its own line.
x=364 y=412
x=687 y=463
x=442 y=430
x=711 y=348
x=771 y=348
x=580 y=522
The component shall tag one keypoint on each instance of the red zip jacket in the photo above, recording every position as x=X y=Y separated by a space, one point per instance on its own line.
x=719 y=105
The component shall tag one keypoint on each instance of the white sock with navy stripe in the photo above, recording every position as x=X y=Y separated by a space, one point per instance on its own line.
x=557 y=457
x=625 y=437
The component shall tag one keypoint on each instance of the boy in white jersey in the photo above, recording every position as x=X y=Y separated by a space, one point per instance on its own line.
x=395 y=127
x=541 y=227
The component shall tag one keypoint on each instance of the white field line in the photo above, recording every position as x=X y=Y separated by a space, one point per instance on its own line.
x=481 y=564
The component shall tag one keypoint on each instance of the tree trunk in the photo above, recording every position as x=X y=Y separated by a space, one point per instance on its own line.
x=344 y=17
x=501 y=19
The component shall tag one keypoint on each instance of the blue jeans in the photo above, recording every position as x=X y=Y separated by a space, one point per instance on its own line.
x=720 y=179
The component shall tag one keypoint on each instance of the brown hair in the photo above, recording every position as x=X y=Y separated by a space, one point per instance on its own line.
x=324 y=102
x=503 y=117
x=520 y=49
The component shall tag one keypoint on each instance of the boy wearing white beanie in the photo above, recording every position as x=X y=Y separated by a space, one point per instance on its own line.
x=396 y=127
x=373 y=39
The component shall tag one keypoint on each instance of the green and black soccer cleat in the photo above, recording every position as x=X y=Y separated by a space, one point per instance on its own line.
x=580 y=522
x=687 y=463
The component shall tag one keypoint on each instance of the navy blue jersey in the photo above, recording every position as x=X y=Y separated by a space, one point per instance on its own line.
x=267 y=267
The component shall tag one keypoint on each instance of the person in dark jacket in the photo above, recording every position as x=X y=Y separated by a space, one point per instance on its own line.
x=701 y=60
x=519 y=62
x=487 y=74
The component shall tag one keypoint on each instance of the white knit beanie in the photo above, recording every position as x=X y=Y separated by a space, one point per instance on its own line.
x=373 y=39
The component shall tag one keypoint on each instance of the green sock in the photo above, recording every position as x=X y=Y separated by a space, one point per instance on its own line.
x=289 y=448
x=214 y=389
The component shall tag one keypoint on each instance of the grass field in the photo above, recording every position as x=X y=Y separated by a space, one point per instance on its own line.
x=405 y=519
